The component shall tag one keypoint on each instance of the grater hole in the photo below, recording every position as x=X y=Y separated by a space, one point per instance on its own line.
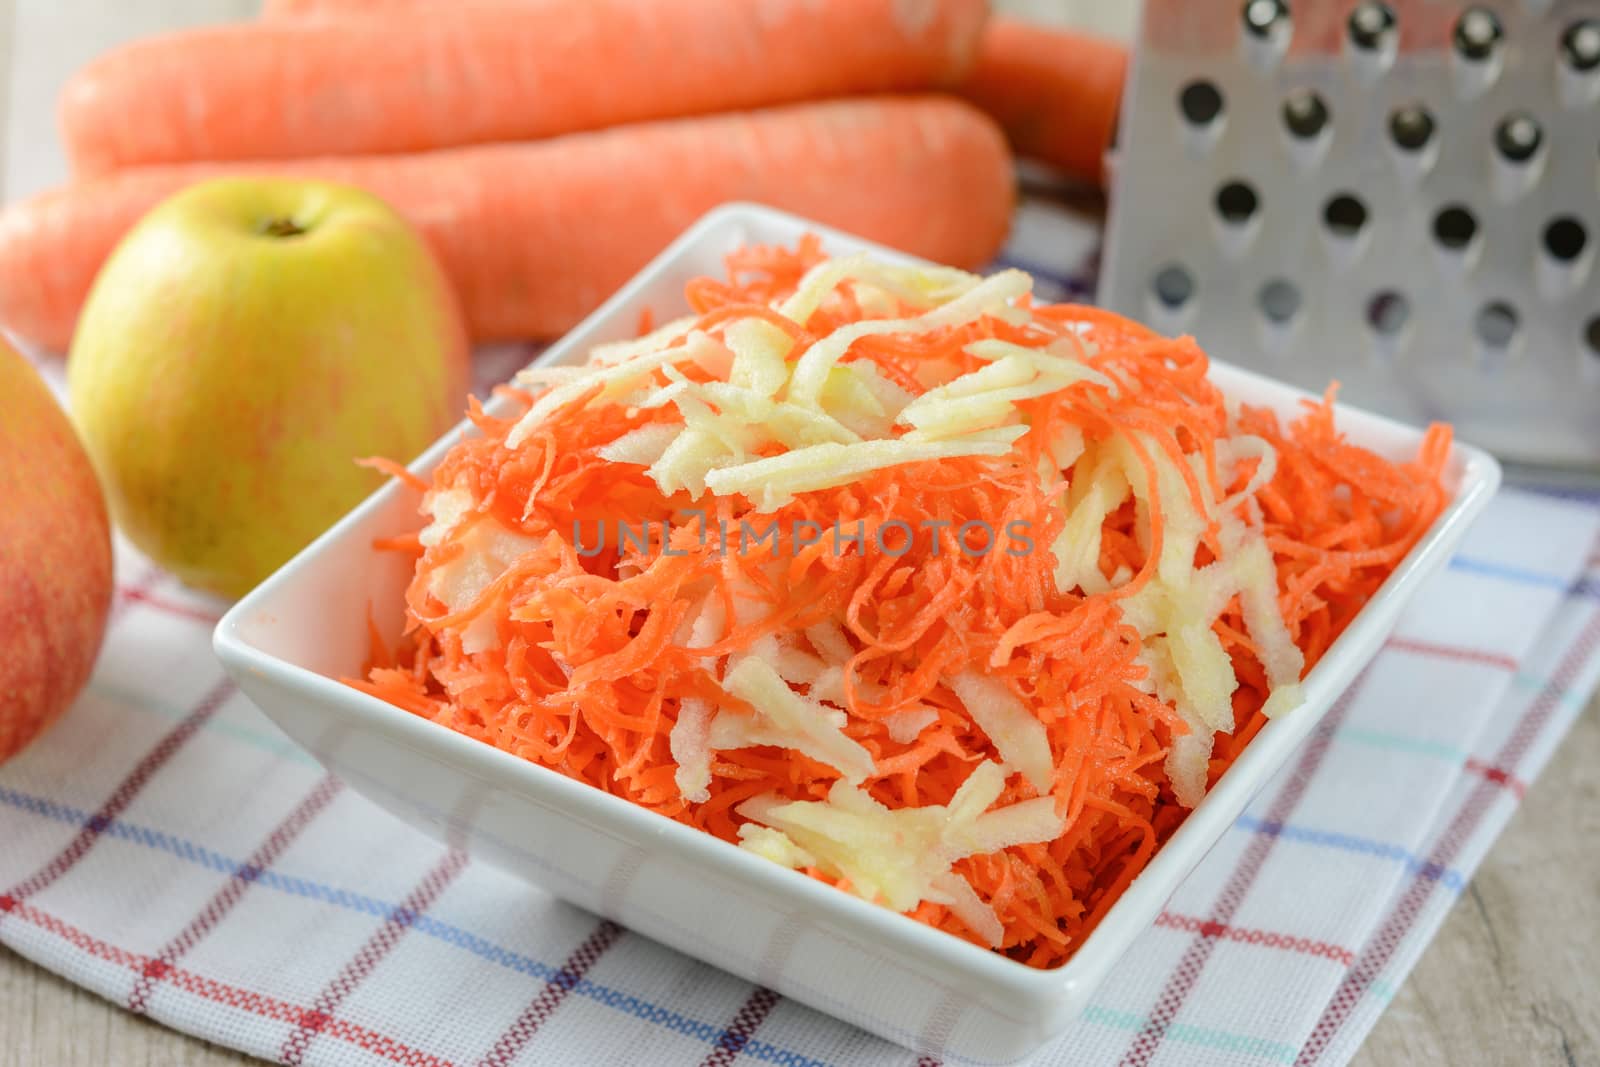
x=1173 y=286
x=1388 y=312
x=1478 y=33
x=1371 y=26
x=1263 y=17
x=1237 y=203
x=1565 y=239
x=1518 y=137
x=1580 y=46
x=1200 y=102
x=1455 y=227
x=1497 y=324
x=1305 y=114
x=1592 y=336
x=1279 y=301
x=1411 y=127
x=1345 y=215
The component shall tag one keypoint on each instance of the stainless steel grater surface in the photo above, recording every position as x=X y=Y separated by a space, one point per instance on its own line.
x=1404 y=196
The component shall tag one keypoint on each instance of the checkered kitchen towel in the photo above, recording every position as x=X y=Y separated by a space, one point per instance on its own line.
x=167 y=848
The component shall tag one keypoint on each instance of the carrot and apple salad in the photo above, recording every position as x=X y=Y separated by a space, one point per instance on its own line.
x=893 y=576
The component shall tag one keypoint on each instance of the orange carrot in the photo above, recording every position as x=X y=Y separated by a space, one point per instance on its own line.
x=289 y=89
x=592 y=666
x=1055 y=92
x=303 y=8
x=536 y=235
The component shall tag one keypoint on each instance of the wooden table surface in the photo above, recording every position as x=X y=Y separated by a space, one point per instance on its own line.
x=1512 y=978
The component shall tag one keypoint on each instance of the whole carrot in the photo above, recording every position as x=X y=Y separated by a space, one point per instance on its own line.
x=289 y=89
x=1056 y=93
x=536 y=235
x=301 y=8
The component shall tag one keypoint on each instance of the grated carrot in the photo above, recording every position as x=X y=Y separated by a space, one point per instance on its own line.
x=593 y=661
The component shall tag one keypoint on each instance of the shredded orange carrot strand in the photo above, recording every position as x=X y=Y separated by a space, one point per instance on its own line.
x=394 y=470
x=580 y=655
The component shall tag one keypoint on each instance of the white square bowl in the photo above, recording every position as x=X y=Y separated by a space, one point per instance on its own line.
x=289 y=641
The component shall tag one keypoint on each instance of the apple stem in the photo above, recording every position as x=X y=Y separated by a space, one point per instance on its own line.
x=281 y=227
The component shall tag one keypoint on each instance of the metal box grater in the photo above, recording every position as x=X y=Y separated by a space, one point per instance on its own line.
x=1404 y=196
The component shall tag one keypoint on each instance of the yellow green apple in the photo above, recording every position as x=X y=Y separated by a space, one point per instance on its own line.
x=55 y=557
x=244 y=345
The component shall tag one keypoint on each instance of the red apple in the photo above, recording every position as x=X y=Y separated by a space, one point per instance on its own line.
x=55 y=557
